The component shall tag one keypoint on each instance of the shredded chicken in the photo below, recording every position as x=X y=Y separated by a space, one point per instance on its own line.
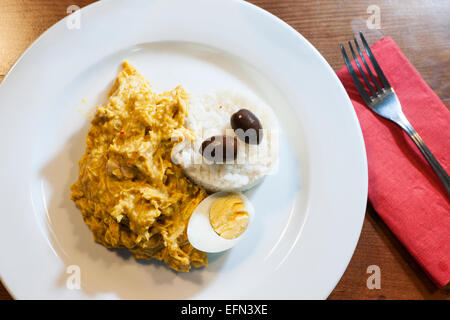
x=129 y=192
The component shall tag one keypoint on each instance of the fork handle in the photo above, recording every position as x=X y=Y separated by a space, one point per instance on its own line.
x=440 y=172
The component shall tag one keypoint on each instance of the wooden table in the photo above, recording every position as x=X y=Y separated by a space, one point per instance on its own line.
x=419 y=27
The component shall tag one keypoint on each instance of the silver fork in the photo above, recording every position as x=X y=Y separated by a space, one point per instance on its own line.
x=383 y=101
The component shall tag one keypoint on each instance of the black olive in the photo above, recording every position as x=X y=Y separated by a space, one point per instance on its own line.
x=246 y=126
x=219 y=149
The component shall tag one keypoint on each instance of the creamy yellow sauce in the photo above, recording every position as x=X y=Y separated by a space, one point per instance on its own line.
x=129 y=192
x=228 y=216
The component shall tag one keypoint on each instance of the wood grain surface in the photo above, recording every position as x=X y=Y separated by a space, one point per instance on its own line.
x=420 y=28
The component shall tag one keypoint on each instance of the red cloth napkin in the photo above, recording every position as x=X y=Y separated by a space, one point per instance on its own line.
x=403 y=188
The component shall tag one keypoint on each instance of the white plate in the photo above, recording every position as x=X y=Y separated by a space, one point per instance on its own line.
x=308 y=215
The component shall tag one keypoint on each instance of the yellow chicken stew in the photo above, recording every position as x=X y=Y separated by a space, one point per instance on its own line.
x=129 y=192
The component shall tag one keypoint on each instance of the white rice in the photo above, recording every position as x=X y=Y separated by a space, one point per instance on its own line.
x=209 y=115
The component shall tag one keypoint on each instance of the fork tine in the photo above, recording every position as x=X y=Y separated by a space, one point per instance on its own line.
x=376 y=66
x=361 y=70
x=366 y=65
x=356 y=81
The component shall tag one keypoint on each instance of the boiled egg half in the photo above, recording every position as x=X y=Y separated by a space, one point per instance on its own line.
x=220 y=221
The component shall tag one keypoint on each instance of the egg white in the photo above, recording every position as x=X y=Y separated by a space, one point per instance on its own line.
x=200 y=232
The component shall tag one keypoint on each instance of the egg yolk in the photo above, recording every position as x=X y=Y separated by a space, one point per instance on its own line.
x=228 y=217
